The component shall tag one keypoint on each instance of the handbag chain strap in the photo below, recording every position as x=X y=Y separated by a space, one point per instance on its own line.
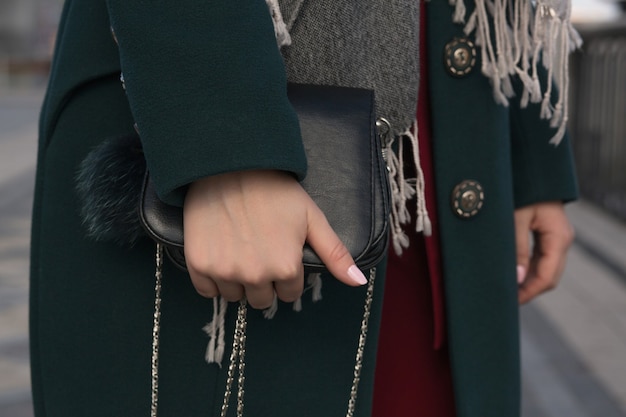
x=358 y=363
x=237 y=355
x=237 y=360
x=156 y=329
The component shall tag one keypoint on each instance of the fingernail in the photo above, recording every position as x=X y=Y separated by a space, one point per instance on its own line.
x=357 y=276
x=521 y=274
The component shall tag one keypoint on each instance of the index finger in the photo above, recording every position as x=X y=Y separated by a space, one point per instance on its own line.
x=327 y=245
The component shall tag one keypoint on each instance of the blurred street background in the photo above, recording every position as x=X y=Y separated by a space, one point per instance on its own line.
x=573 y=339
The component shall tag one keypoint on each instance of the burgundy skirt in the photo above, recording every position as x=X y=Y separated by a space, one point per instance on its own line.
x=413 y=376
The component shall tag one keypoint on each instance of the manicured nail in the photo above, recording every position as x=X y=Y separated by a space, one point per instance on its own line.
x=521 y=274
x=357 y=276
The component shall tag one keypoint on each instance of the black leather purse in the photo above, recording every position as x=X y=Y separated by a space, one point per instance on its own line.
x=347 y=176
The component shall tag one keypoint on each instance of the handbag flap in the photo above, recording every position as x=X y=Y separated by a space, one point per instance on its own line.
x=346 y=177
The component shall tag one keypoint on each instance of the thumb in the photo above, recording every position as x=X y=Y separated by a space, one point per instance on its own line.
x=327 y=245
x=523 y=218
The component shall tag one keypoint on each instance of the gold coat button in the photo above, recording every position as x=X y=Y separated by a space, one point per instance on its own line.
x=467 y=198
x=459 y=57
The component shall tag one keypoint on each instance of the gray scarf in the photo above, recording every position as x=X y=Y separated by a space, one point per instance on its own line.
x=371 y=44
x=327 y=47
x=516 y=36
x=374 y=44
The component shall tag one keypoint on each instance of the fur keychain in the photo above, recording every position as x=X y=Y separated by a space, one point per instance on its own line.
x=109 y=182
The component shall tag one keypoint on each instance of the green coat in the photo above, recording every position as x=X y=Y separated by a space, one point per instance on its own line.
x=507 y=151
x=91 y=302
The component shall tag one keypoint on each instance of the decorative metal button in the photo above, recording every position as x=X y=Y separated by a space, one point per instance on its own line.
x=459 y=57
x=467 y=198
x=122 y=81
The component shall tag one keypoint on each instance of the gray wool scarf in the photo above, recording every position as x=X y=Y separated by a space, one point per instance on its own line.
x=370 y=44
x=375 y=44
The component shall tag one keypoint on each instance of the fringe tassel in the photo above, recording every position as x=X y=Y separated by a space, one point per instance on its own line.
x=314 y=284
x=297 y=305
x=404 y=189
x=459 y=11
x=270 y=312
x=401 y=191
x=422 y=221
x=280 y=28
x=215 y=330
x=521 y=38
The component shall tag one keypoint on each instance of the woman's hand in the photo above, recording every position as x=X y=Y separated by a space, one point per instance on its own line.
x=553 y=235
x=244 y=234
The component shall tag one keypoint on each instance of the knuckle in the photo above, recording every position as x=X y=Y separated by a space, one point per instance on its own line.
x=565 y=233
x=338 y=252
x=290 y=294
x=287 y=271
x=204 y=287
x=194 y=255
x=200 y=265
x=548 y=284
x=253 y=278
x=222 y=272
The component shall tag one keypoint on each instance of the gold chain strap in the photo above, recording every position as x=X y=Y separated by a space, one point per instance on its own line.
x=237 y=360
x=358 y=363
x=238 y=353
x=156 y=328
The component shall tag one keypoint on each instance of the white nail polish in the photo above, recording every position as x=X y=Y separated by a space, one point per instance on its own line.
x=357 y=276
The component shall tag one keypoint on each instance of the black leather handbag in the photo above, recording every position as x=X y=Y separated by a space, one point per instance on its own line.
x=347 y=176
x=347 y=179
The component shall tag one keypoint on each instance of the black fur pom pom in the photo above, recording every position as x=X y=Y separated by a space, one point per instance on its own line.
x=109 y=185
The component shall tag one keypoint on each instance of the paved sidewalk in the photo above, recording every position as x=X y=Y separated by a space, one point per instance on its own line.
x=573 y=339
x=574 y=344
x=18 y=146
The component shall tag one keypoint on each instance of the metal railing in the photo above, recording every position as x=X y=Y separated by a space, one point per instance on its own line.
x=598 y=116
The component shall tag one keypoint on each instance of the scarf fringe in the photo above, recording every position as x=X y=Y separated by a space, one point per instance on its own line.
x=404 y=189
x=314 y=284
x=520 y=39
x=280 y=28
x=215 y=330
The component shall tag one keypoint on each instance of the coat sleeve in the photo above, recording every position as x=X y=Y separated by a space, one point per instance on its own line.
x=207 y=88
x=541 y=171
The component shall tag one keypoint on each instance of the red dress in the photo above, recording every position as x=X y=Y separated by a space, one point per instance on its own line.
x=413 y=368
